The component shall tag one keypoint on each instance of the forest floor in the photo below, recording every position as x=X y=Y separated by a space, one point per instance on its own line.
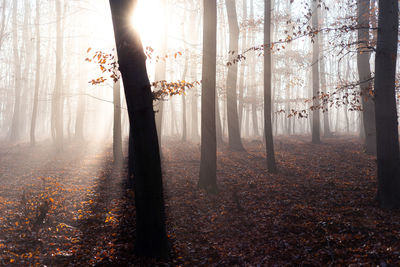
x=71 y=208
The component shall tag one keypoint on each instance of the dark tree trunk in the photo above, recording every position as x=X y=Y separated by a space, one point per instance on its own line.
x=151 y=238
x=364 y=73
x=235 y=143
x=387 y=141
x=208 y=162
x=267 y=89
x=37 y=78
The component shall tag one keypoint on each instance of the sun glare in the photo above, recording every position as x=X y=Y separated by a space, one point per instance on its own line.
x=148 y=21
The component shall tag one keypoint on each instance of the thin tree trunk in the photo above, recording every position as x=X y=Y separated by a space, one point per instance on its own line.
x=218 y=121
x=15 y=131
x=322 y=74
x=315 y=76
x=160 y=76
x=235 y=143
x=267 y=89
x=208 y=162
x=184 y=124
x=242 y=66
x=117 y=132
x=80 y=115
x=253 y=85
x=364 y=73
x=57 y=103
x=37 y=78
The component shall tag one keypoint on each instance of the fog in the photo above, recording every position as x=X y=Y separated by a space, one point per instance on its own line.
x=289 y=158
x=87 y=24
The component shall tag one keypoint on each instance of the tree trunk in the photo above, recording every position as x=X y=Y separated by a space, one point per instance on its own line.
x=327 y=129
x=80 y=115
x=253 y=85
x=208 y=162
x=151 y=238
x=364 y=73
x=269 y=141
x=15 y=131
x=235 y=143
x=117 y=133
x=242 y=67
x=37 y=78
x=57 y=103
x=315 y=77
x=3 y=23
x=160 y=75
x=387 y=139
x=184 y=124
x=218 y=121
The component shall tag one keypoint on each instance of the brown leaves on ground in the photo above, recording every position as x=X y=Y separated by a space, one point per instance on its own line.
x=319 y=210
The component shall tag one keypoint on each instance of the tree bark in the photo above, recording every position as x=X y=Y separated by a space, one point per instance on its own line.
x=208 y=162
x=387 y=139
x=151 y=238
x=253 y=76
x=235 y=143
x=3 y=23
x=57 y=103
x=15 y=123
x=267 y=89
x=37 y=78
x=364 y=73
x=315 y=76
x=117 y=132
x=242 y=67
x=184 y=124
x=322 y=62
x=160 y=75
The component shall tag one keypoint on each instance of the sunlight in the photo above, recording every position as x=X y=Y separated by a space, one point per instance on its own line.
x=148 y=21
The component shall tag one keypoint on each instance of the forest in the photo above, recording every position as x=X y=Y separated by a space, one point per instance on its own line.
x=199 y=133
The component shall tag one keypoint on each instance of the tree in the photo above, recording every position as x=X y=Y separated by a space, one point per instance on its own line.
x=387 y=138
x=252 y=73
x=208 y=161
x=117 y=135
x=57 y=103
x=3 y=23
x=364 y=73
x=160 y=72
x=37 y=78
x=242 y=66
x=267 y=89
x=184 y=124
x=15 y=131
x=322 y=74
x=151 y=238
x=235 y=142
x=315 y=76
